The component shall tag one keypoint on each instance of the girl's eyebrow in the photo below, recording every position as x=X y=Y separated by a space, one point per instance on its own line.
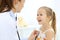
x=19 y=0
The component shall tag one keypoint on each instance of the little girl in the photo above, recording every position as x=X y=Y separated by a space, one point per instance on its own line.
x=46 y=18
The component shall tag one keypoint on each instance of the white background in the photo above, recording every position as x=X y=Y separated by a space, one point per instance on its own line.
x=30 y=10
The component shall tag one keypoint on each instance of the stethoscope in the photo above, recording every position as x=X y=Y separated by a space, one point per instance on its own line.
x=15 y=17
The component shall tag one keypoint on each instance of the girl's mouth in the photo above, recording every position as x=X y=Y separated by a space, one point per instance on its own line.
x=39 y=20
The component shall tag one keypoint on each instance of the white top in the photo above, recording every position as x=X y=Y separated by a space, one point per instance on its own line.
x=8 y=26
x=42 y=35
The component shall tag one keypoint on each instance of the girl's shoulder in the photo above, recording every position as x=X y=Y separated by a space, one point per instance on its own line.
x=49 y=30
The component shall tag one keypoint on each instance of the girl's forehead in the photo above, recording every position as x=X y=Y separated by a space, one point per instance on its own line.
x=42 y=10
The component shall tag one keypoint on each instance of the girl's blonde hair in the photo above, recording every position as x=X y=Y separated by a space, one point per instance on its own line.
x=51 y=13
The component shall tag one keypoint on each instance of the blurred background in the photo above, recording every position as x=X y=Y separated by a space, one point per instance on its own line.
x=29 y=12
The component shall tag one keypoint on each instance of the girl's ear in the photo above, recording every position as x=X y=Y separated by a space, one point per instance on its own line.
x=49 y=18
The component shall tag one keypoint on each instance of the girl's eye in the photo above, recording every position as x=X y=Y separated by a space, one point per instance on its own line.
x=40 y=14
x=37 y=14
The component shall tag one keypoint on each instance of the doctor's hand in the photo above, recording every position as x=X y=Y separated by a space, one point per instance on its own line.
x=33 y=35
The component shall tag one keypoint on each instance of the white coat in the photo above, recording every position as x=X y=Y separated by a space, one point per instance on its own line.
x=8 y=26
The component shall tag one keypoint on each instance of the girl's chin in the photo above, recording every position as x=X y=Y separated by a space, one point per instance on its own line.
x=39 y=23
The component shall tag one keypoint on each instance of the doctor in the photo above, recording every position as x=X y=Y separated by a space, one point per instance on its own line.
x=8 y=8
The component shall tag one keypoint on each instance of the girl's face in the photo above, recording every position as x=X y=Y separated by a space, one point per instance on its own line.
x=19 y=5
x=42 y=16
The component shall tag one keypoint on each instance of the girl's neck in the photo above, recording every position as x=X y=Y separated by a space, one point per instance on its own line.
x=45 y=27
